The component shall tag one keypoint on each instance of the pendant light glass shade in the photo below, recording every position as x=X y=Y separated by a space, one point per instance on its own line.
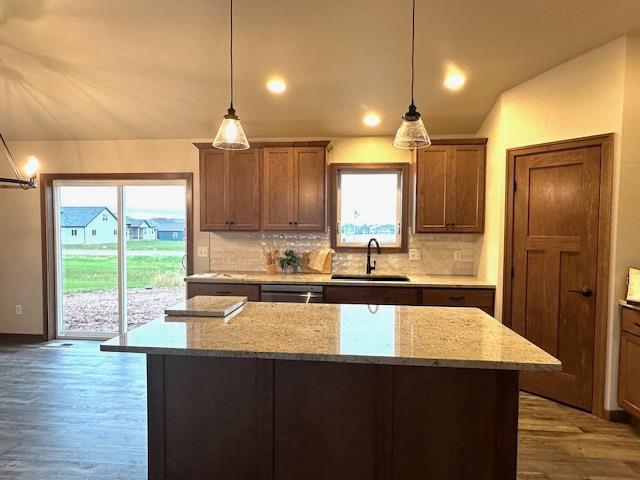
x=230 y=134
x=411 y=134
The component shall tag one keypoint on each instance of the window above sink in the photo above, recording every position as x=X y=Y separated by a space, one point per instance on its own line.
x=369 y=201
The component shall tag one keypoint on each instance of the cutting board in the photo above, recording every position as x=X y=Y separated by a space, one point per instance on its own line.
x=206 y=306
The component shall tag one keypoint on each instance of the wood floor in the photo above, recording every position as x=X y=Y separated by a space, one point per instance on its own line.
x=72 y=412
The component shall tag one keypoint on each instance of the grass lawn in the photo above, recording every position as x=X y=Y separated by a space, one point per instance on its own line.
x=90 y=273
x=173 y=245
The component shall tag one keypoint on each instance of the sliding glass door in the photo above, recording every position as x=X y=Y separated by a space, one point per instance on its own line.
x=120 y=254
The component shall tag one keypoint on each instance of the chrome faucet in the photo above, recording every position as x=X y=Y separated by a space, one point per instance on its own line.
x=371 y=268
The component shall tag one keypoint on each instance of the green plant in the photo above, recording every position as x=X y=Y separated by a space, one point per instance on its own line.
x=289 y=259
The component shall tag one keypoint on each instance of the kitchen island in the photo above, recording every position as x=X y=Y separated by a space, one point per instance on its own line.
x=316 y=391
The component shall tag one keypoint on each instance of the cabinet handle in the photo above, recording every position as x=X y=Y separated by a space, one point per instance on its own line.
x=232 y=222
x=457 y=298
x=226 y=222
x=223 y=292
x=290 y=223
x=295 y=223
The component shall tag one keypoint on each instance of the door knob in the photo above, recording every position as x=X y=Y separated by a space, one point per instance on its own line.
x=585 y=292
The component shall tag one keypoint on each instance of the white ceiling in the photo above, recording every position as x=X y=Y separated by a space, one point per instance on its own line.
x=116 y=69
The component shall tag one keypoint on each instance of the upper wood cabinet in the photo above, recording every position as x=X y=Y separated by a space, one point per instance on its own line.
x=294 y=188
x=230 y=189
x=450 y=183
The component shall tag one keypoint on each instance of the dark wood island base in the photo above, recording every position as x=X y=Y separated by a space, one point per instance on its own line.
x=257 y=419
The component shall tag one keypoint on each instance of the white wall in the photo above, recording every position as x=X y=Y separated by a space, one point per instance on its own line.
x=582 y=97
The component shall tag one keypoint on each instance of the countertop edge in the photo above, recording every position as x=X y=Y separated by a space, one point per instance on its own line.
x=342 y=283
x=368 y=360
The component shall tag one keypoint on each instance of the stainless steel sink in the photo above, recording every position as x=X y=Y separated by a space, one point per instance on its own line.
x=370 y=278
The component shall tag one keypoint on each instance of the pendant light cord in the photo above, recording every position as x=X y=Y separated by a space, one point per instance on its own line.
x=413 y=47
x=231 y=47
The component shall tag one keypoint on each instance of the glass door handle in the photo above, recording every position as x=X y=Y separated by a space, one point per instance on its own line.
x=184 y=262
x=585 y=292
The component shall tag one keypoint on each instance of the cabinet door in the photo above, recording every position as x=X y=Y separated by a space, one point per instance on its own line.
x=630 y=373
x=214 y=209
x=372 y=295
x=252 y=292
x=277 y=189
x=309 y=188
x=431 y=189
x=465 y=203
x=244 y=190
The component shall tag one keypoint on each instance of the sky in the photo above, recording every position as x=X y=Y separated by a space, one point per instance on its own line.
x=140 y=201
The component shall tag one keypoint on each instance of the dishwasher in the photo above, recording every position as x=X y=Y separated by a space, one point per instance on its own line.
x=292 y=293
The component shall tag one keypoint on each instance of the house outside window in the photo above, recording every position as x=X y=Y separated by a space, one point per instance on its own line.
x=175 y=235
x=93 y=233
x=104 y=217
x=74 y=232
x=370 y=201
x=115 y=231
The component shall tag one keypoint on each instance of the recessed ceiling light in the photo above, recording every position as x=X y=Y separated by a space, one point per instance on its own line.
x=371 y=119
x=454 y=81
x=276 y=85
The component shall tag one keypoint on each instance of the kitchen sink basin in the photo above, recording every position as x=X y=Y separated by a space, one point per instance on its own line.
x=370 y=278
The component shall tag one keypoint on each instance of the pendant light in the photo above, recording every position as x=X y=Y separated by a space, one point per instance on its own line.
x=412 y=133
x=230 y=134
x=30 y=169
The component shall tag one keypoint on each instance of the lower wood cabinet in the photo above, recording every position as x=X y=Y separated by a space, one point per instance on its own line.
x=372 y=295
x=252 y=292
x=482 y=298
x=629 y=387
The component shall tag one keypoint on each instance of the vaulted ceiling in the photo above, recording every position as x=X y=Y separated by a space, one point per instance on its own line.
x=119 y=69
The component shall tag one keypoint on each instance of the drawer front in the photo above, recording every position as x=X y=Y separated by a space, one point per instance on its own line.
x=457 y=297
x=630 y=373
x=631 y=321
x=372 y=295
x=252 y=292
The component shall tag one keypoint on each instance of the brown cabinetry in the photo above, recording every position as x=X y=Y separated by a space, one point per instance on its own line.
x=372 y=295
x=271 y=186
x=252 y=292
x=293 y=196
x=450 y=183
x=629 y=387
x=229 y=190
x=482 y=298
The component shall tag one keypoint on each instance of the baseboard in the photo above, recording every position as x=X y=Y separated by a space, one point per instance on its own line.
x=21 y=337
x=618 y=416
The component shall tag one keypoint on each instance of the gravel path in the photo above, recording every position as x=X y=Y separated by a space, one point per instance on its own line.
x=98 y=311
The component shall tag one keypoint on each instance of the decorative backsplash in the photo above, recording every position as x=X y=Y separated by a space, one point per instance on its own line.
x=242 y=251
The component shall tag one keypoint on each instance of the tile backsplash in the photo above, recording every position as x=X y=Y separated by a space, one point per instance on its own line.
x=441 y=254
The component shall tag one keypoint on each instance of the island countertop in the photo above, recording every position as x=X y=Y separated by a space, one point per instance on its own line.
x=415 y=280
x=385 y=334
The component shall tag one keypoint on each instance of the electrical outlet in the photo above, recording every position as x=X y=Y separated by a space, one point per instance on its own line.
x=414 y=254
x=457 y=255
x=203 y=252
x=18 y=309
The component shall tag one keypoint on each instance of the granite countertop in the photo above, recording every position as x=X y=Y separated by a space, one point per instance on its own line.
x=455 y=281
x=385 y=334
x=632 y=306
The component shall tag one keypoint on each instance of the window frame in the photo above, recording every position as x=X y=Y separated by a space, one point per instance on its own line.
x=336 y=169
